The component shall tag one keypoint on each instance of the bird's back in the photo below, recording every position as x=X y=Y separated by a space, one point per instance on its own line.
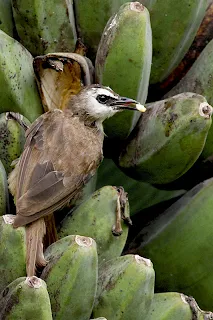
x=61 y=154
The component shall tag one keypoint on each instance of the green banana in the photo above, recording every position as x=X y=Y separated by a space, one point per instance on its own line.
x=123 y=62
x=6 y=17
x=95 y=218
x=176 y=306
x=174 y=26
x=125 y=288
x=18 y=90
x=12 y=251
x=109 y=174
x=199 y=79
x=179 y=244
x=91 y=18
x=27 y=299
x=4 y=195
x=44 y=26
x=168 y=139
x=12 y=139
x=71 y=277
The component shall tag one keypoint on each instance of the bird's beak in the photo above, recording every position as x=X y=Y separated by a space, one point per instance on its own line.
x=124 y=103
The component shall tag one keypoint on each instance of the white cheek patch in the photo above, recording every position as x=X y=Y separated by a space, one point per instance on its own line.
x=100 y=111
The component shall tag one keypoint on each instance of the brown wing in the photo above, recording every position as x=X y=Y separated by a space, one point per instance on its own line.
x=60 y=155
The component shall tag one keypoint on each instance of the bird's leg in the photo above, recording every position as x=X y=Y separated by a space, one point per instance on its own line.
x=51 y=235
x=120 y=212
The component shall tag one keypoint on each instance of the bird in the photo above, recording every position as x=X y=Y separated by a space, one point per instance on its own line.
x=63 y=150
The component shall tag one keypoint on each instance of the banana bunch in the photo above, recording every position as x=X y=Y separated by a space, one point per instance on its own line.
x=179 y=240
x=101 y=267
x=75 y=284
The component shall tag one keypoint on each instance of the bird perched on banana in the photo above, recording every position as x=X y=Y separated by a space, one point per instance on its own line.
x=63 y=149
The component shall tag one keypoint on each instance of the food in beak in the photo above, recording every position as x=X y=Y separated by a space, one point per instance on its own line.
x=140 y=107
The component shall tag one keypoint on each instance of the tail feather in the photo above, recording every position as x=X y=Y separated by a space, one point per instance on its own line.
x=34 y=239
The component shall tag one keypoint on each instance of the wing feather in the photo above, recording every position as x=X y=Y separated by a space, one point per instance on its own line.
x=56 y=162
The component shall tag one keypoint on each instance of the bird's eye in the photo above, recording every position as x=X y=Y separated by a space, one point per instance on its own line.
x=102 y=98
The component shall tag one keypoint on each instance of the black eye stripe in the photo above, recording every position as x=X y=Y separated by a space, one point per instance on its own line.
x=102 y=98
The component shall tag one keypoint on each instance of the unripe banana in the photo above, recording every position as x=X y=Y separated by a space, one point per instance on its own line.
x=45 y=26
x=12 y=251
x=125 y=288
x=168 y=139
x=91 y=18
x=174 y=26
x=123 y=62
x=109 y=174
x=18 y=91
x=12 y=139
x=179 y=244
x=6 y=17
x=27 y=299
x=4 y=195
x=176 y=306
x=199 y=79
x=202 y=38
x=95 y=218
x=71 y=277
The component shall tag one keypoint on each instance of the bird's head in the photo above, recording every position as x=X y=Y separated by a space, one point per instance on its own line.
x=99 y=102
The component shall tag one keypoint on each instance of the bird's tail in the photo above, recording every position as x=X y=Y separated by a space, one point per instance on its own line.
x=35 y=232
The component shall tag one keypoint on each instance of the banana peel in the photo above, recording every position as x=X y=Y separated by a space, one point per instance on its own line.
x=59 y=77
x=44 y=26
x=71 y=277
x=179 y=244
x=18 y=92
x=25 y=298
x=167 y=140
x=101 y=217
x=199 y=79
x=12 y=139
x=125 y=288
x=176 y=306
x=6 y=17
x=141 y=195
x=91 y=19
x=123 y=62
x=12 y=251
x=174 y=26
